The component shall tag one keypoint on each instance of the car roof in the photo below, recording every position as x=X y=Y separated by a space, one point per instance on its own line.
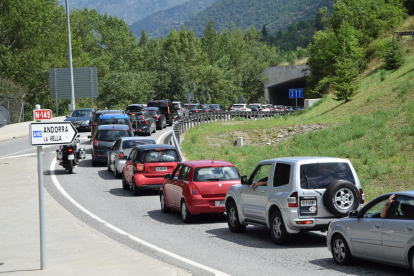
x=152 y=108
x=304 y=159
x=136 y=138
x=89 y=109
x=106 y=127
x=155 y=146
x=109 y=111
x=110 y=116
x=207 y=163
x=135 y=105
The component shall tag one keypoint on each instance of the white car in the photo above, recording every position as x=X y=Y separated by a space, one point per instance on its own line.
x=119 y=152
x=265 y=107
x=240 y=107
x=366 y=235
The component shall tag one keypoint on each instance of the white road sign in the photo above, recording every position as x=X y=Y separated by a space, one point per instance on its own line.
x=52 y=133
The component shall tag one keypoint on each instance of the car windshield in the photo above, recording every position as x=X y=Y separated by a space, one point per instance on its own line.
x=81 y=113
x=112 y=134
x=150 y=113
x=156 y=156
x=177 y=105
x=205 y=106
x=192 y=107
x=214 y=106
x=127 y=144
x=113 y=121
x=216 y=174
x=320 y=175
x=238 y=106
x=157 y=104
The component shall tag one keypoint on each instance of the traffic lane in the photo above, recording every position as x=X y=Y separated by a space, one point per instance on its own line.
x=16 y=146
x=207 y=240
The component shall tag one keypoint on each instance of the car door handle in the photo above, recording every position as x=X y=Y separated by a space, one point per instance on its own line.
x=409 y=228
x=376 y=226
x=262 y=191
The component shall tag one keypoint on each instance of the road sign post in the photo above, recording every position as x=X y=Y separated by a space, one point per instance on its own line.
x=47 y=134
x=295 y=94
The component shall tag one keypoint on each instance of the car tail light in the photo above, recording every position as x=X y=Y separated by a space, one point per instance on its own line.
x=361 y=196
x=193 y=189
x=197 y=111
x=121 y=155
x=95 y=143
x=140 y=167
x=293 y=200
x=70 y=151
x=207 y=110
x=180 y=109
x=304 y=222
x=231 y=108
x=156 y=117
x=143 y=121
x=217 y=110
x=94 y=124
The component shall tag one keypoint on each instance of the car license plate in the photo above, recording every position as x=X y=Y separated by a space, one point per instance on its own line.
x=219 y=203
x=308 y=202
x=161 y=169
x=71 y=157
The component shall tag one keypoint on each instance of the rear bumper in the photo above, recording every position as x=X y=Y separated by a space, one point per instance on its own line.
x=198 y=205
x=143 y=129
x=314 y=224
x=141 y=180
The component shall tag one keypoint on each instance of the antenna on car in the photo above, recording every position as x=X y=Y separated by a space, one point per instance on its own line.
x=212 y=161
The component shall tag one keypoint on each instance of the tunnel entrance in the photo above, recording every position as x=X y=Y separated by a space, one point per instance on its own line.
x=279 y=93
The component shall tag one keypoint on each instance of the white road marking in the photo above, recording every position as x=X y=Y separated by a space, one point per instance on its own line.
x=114 y=228
x=162 y=137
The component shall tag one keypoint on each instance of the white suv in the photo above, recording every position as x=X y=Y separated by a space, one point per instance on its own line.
x=240 y=107
x=301 y=194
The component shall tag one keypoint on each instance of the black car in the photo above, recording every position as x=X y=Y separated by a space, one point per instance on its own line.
x=158 y=116
x=166 y=107
x=255 y=107
x=195 y=108
x=98 y=114
x=105 y=136
x=143 y=123
x=81 y=119
x=134 y=108
x=206 y=107
x=216 y=108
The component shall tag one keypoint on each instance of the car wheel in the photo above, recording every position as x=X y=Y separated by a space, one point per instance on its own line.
x=116 y=173
x=411 y=261
x=340 y=251
x=341 y=197
x=125 y=185
x=164 y=207
x=94 y=162
x=233 y=218
x=134 y=188
x=278 y=230
x=185 y=213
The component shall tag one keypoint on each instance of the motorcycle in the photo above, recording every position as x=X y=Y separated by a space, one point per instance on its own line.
x=69 y=155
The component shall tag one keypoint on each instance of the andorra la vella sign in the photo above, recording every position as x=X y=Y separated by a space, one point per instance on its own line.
x=52 y=133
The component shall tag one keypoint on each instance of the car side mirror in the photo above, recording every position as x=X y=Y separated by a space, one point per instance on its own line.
x=77 y=136
x=67 y=116
x=244 y=179
x=353 y=214
x=89 y=136
x=167 y=176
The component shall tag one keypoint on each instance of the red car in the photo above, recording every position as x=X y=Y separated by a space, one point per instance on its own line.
x=197 y=187
x=146 y=166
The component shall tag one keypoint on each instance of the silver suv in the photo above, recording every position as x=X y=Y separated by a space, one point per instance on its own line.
x=182 y=110
x=300 y=194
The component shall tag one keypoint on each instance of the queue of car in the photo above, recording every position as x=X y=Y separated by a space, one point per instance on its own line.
x=296 y=194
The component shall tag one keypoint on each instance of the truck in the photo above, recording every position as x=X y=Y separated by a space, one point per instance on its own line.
x=297 y=194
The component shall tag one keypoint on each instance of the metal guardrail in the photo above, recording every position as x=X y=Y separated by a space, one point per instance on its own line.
x=184 y=124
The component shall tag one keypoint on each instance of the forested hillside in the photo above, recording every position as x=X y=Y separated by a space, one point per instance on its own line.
x=129 y=10
x=160 y=23
x=275 y=14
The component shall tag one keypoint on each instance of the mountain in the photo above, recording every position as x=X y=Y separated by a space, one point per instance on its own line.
x=275 y=14
x=161 y=22
x=128 y=10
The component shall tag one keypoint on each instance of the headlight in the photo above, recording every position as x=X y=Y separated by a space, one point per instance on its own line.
x=85 y=122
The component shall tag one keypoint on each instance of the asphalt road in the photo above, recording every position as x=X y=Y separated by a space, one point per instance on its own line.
x=207 y=242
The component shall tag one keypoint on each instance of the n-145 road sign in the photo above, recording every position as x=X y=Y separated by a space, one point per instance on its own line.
x=52 y=133
x=295 y=93
x=42 y=114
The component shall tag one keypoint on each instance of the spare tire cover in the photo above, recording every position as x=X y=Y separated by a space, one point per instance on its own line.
x=341 y=197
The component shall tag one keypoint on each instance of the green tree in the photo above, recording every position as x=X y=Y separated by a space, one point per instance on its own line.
x=393 y=55
x=345 y=80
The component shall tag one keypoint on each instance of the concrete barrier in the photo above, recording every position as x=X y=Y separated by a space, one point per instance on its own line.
x=19 y=130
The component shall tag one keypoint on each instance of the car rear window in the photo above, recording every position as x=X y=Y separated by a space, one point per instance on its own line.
x=191 y=107
x=133 y=143
x=156 y=156
x=112 y=134
x=113 y=121
x=320 y=175
x=157 y=104
x=150 y=113
x=134 y=108
x=216 y=174
x=238 y=105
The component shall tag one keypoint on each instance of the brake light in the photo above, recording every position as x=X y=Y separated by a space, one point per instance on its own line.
x=180 y=109
x=197 y=111
x=94 y=124
x=193 y=189
x=361 y=196
x=121 y=155
x=140 y=167
x=70 y=150
x=304 y=222
x=231 y=108
x=95 y=143
x=293 y=200
x=156 y=117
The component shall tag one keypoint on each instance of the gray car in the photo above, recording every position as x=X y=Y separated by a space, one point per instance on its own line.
x=118 y=154
x=366 y=235
x=81 y=118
